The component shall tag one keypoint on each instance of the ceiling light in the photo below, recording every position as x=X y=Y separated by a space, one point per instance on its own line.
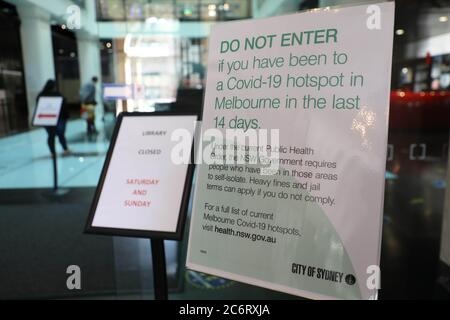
x=443 y=19
x=400 y=32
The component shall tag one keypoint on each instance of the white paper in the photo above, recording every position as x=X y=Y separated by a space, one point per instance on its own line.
x=47 y=111
x=143 y=188
x=314 y=229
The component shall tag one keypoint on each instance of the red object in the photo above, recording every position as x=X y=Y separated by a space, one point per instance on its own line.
x=428 y=59
x=420 y=110
x=46 y=116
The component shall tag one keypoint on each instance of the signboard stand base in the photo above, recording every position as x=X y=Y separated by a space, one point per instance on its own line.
x=56 y=192
x=159 y=270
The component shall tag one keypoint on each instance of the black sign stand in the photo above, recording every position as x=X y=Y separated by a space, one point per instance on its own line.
x=55 y=172
x=159 y=270
x=56 y=190
x=156 y=237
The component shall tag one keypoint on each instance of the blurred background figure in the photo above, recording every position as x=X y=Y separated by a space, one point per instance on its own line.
x=50 y=90
x=88 y=104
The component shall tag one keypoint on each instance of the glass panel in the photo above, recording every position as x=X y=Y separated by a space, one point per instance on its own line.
x=157 y=50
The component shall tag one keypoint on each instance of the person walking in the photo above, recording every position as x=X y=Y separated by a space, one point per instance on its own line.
x=88 y=104
x=50 y=90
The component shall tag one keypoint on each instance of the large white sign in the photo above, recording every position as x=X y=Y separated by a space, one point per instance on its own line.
x=142 y=189
x=306 y=217
x=47 y=111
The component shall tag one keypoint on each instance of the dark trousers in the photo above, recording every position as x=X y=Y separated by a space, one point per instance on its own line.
x=60 y=132
x=91 y=127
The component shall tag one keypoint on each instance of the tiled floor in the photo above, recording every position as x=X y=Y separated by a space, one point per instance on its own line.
x=25 y=160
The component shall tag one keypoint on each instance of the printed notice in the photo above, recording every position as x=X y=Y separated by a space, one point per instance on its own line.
x=47 y=111
x=301 y=210
x=142 y=187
